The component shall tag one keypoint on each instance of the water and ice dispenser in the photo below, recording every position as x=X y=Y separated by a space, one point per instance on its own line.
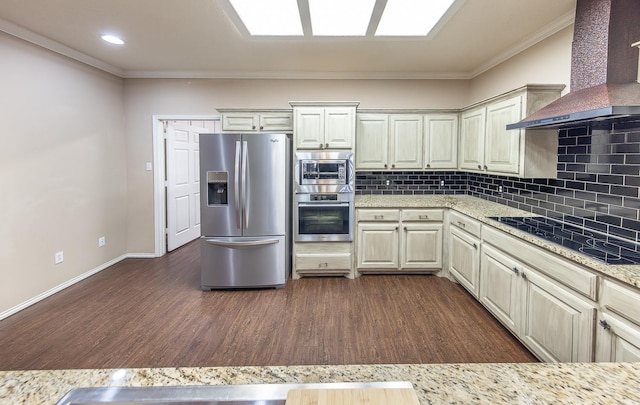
x=217 y=187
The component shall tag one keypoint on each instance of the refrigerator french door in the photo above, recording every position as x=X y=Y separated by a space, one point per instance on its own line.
x=244 y=210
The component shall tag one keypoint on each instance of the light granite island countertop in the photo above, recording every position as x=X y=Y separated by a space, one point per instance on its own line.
x=483 y=210
x=527 y=383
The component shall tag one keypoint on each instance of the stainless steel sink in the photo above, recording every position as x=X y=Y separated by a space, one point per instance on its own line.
x=255 y=394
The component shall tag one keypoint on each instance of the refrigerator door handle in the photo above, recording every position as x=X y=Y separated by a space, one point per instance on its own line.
x=236 y=180
x=243 y=244
x=245 y=214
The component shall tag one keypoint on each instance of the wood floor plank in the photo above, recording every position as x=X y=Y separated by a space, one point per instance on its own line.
x=152 y=313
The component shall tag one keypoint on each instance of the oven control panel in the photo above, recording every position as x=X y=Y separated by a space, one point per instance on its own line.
x=323 y=197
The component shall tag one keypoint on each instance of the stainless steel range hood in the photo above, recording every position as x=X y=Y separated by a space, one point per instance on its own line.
x=604 y=68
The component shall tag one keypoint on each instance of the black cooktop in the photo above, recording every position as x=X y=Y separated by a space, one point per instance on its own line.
x=591 y=243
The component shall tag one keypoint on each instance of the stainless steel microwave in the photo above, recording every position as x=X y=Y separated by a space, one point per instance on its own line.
x=324 y=172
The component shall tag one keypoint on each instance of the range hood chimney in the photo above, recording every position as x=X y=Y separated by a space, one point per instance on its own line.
x=604 y=68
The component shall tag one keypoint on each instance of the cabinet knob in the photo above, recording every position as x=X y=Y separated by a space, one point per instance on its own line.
x=605 y=324
x=386 y=165
x=396 y=228
x=515 y=270
x=321 y=146
x=524 y=276
x=475 y=246
x=393 y=166
x=261 y=127
x=479 y=167
x=326 y=145
x=428 y=165
x=253 y=127
x=485 y=167
x=405 y=229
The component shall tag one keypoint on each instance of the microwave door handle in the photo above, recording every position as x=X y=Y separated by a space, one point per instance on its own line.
x=245 y=206
x=236 y=183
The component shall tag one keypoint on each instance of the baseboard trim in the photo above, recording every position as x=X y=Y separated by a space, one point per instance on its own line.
x=69 y=283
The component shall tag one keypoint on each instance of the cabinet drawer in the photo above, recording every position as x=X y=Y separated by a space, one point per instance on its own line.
x=465 y=223
x=423 y=215
x=621 y=300
x=570 y=274
x=378 y=215
x=319 y=262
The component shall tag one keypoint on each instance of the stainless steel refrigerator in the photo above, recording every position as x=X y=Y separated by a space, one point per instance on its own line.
x=244 y=208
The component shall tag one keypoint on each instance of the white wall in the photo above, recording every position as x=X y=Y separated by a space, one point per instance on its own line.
x=62 y=170
x=548 y=62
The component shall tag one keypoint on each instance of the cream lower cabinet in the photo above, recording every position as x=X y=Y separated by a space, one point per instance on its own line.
x=464 y=251
x=399 y=240
x=322 y=259
x=618 y=329
x=555 y=323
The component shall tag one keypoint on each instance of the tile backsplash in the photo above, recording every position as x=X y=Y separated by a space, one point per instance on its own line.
x=596 y=187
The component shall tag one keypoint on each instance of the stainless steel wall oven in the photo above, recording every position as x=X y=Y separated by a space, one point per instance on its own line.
x=323 y=217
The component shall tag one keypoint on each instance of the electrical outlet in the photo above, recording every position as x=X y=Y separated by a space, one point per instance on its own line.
x=387 y=182
x=59 y=257
x=499 y=189
x=442 y=182
x=101 y=241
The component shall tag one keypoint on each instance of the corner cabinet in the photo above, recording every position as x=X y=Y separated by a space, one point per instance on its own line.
x=328 y=125
x=487 y=146
x=237 y=120
x=399 y=240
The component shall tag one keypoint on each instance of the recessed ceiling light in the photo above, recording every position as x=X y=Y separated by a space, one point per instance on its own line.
x=340 y=17
x=112 y=39
x=411 y=17
x=274 y=17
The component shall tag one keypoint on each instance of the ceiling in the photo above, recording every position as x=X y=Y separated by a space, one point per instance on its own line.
x=196 y=38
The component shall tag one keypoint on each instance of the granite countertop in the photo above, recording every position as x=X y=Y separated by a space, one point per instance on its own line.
x=482 y=209
x=527 y=383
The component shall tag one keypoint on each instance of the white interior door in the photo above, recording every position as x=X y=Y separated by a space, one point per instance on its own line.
x=183 y=182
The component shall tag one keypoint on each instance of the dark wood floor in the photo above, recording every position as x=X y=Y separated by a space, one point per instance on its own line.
x=152 y=313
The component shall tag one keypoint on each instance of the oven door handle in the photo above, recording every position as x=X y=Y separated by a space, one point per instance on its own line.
x=322 y=204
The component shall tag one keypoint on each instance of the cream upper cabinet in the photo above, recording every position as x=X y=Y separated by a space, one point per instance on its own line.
x=389 y=141
x=618 y=328
x=406 y=135
x=256 y=120
x=441 y=141
x=324 y=126
x=472 y=132
x=372 y=141
x=487 y=146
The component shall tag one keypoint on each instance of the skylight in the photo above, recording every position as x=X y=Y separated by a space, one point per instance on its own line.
x=337 y=17
x=411 y=17
x=269 y=17
x=340 y=17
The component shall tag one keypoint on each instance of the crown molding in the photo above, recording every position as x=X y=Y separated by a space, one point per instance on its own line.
x=54 y=46
x=556 y=26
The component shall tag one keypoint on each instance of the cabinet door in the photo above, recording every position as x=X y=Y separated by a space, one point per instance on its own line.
x=502 y=147
x=558 y=324
x=441 y=141
x=464 y=259
x=239 y=122
x=372 y=141
x=309 y=128
x=271 y=122
x=472 y=131
x=617 y=340
x=421 y=246
x=499 y=282
x=406 y=135
x=378 y=246
x=339 y=127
